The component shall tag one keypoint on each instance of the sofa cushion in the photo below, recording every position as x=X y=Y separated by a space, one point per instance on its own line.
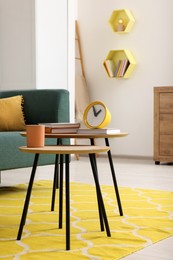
x=11 y=114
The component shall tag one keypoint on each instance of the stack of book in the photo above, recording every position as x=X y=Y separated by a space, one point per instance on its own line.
x=116 y=71
x=121 y=67
x=61 y=128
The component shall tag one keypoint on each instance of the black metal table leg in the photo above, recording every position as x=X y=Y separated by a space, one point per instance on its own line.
x=99 y=207
x=55 y=181
x=99 y=194
x=114 y=178
x=61 y=191
x=67 y=191
x=28 y=195
x=59 y=142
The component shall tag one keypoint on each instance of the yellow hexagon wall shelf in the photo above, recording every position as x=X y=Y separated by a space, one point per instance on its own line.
x=119 y=63
x=121 y=21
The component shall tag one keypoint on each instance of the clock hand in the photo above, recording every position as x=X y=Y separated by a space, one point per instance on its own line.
x=96 y=113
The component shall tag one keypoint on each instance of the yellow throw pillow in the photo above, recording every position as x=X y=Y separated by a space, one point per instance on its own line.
x=11 y=114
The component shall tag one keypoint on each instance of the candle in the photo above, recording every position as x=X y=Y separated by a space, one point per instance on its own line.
x=120 y=26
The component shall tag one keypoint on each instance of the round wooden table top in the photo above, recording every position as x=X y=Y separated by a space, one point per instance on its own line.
x=69 y=135
x=65 y=149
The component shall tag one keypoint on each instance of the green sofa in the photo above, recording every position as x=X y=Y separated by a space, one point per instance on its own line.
x=40 y=106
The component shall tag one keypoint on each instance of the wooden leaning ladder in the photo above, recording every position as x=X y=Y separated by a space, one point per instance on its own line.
x=78 y=57
x=80 y=66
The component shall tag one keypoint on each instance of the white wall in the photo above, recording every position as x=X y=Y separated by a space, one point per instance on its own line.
x=54 y=21
x=51 y=44
x=17 y=55
x=71 y=17
x=129 y=100
x=37 y=45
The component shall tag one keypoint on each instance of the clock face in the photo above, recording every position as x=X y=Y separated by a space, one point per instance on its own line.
x=95 y=115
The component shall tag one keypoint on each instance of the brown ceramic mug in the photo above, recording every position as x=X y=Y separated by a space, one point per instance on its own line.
x=35 y=135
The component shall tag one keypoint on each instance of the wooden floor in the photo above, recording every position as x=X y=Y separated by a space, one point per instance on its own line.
x=130 y=173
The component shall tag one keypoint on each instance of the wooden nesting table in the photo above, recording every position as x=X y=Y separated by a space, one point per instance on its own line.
x=66 y=150
x=93 y=137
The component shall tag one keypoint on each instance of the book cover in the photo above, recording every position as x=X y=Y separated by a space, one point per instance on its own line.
x=110 y=67
x=98 y=131
x=61 y=128
x=120 y=68
x=104 y=64
x=124 y=67
x=52 y=130
x=61 y=125
x=117 y=68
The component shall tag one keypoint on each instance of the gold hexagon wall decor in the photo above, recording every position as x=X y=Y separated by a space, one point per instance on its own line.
x=121 y=21
x=119 y=63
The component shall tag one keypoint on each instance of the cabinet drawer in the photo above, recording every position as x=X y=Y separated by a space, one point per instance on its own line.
x=166 y=123
x=166 y=145
x=166 y=102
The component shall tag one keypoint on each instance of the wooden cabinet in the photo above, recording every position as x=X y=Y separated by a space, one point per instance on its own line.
x=163 y=124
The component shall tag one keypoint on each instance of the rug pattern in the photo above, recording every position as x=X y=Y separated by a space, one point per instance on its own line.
x=148 y=218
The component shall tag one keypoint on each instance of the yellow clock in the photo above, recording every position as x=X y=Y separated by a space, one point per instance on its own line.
x=96 y=115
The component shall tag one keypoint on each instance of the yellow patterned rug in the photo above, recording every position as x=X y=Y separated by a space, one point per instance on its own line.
x=148 y=218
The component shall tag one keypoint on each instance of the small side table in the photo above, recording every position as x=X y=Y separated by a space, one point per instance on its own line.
x=92 y=137
x=67 y=150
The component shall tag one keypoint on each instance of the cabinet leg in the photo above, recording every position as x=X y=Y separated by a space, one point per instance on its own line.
x=157 y=162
